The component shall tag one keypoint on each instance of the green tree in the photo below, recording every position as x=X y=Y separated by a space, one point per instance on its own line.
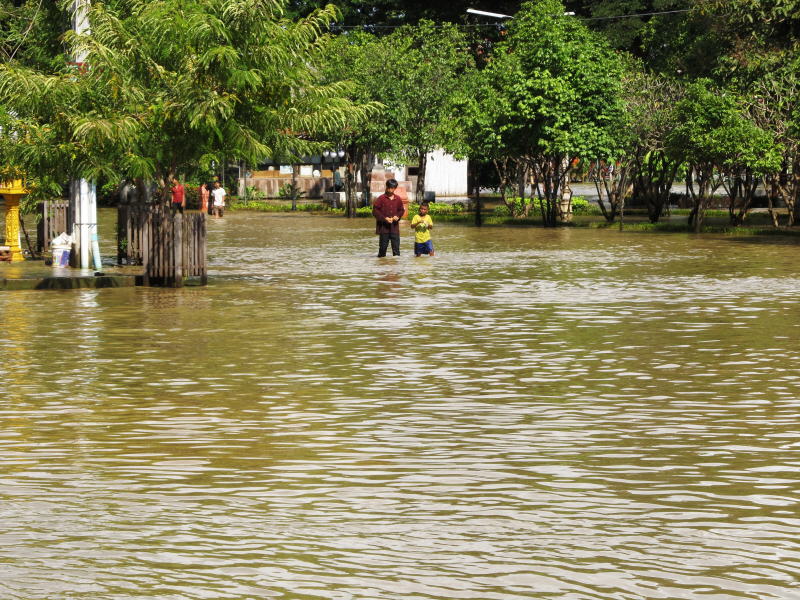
x=417 y=75
x=173 y=86
x=352 y=56
x=650 y=101
x=721 y=146
x=762 y=65
x=775 y=107
x=413 y=74
x=553 y=95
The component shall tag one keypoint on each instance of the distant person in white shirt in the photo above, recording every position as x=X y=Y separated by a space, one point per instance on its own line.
x=218 y=194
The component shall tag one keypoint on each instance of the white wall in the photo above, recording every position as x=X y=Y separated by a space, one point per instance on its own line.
x=445 y=175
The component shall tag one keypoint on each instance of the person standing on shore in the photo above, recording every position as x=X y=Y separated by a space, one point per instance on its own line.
x=178 y=195
x=204 y=194
x=388 y=209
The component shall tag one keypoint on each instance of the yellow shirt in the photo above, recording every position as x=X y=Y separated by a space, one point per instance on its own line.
x=421 y=226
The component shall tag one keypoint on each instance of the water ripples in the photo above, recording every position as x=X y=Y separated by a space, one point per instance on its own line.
x=532 y=414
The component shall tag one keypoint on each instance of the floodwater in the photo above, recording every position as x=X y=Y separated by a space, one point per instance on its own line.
x=566 y=414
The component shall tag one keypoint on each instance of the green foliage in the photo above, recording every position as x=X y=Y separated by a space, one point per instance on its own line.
x=713 y=129
x=514 y=207
x=376 y=14
x=238 y=203
x=581 y=206
x=564 y=87
x=364 y=211
x=254 y=193
x=355 y=57
x=30 y=32
x=437 y=209
x=426 y=64
x=429 y=63
x=551 y=89
x=549 y=94
x=290 y=191
x=174 y=86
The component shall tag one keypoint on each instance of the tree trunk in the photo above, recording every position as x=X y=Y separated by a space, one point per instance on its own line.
x=773 y=214
x=295 y=168
x=705 y=188
x=551 y=173
x=350 y=184
x=476 y=187
x=741 y=189
x=792 y=198
x=506 y=169
x=144 y=190
x=366 y=163
x=423 y=166
x=652 y=181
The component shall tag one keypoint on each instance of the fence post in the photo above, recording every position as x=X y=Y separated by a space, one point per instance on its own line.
x=144 y=220
x=40 y=227
x=177 y=249
x=203 y=250
x=121 y=227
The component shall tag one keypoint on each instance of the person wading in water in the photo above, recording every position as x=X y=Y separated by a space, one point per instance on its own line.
x=388 y=210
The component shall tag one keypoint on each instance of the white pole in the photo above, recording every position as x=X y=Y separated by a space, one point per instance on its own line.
x=83 y=197
x=83 y=226
x=98 y=264
x=483 y=13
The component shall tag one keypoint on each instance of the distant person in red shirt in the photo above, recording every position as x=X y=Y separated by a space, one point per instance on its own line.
x=178 y=195
x=388 y=210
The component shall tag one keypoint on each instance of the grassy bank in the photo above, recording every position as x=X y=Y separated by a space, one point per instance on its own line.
x=586 y=216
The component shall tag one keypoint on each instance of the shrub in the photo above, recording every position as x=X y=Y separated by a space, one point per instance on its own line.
x=290 y=191
x=437 y=209
x=581 y=206
x=254 y=193
x=191 y=192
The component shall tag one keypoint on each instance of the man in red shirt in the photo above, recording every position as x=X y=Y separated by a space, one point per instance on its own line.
x=388 y=210
x=178 y=195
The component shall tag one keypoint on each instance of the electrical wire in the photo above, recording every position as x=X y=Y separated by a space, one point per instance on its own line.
x=495 y=24
x=648 y=14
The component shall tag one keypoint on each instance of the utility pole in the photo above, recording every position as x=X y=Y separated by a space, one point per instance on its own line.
x=83 y=193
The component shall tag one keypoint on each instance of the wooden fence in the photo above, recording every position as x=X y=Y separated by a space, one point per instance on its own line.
x=170 y=246
x=54 y=220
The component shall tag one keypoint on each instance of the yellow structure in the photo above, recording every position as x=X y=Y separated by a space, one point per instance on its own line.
x=11 y=191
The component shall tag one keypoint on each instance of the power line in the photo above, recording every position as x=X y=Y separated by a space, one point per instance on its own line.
x=648 y=14
x=438 y=25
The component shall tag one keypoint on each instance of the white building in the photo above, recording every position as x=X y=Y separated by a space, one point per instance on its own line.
x=445 y=175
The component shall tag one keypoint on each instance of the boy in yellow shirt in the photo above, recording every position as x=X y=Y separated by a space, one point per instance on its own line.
x=422 y=225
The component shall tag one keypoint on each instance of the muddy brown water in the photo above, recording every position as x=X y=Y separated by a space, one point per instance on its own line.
x=531 y=414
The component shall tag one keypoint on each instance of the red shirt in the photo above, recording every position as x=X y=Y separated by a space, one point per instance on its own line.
x=384 y=207
x=177 y=194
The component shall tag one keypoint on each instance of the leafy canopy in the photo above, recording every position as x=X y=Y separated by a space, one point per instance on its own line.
x=553 y=88
x=173 y=86
x=714 y=130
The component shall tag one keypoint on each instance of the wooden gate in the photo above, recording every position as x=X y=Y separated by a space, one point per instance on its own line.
x=54 y=220
x=171 y=246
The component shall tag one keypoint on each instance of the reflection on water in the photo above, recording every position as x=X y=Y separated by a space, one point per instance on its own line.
x=531 y=414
